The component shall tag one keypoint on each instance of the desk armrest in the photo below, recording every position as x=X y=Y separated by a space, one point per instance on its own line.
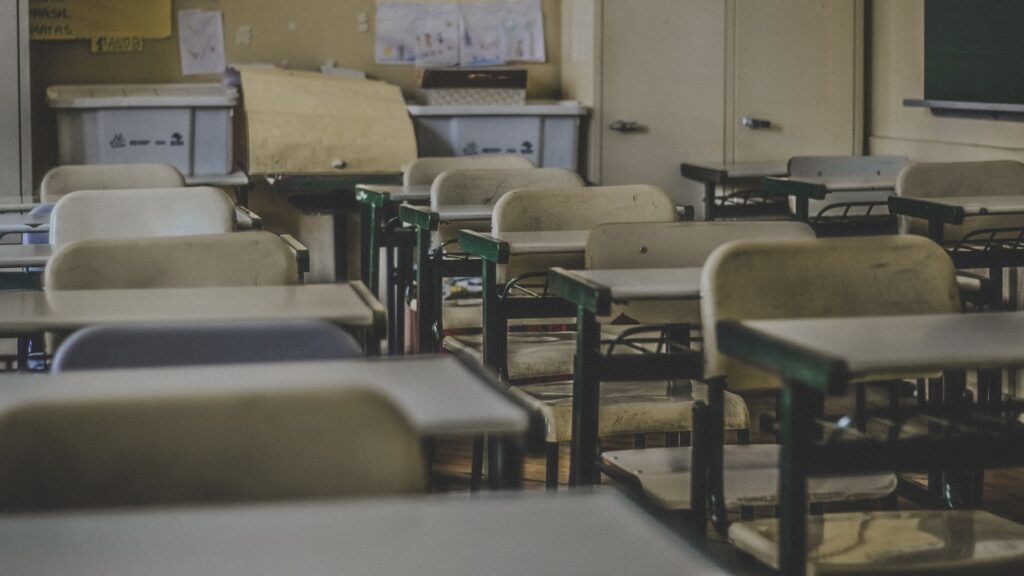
x=247 y=219
x=421 y=217
x=483 y=246
x=301 y=254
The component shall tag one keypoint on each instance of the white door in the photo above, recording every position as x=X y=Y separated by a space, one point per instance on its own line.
x=798 y=66
x=662 y=67
x=688 y=71
x=13 y=96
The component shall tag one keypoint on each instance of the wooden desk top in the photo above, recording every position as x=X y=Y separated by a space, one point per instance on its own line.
x=347 y=305
x=500 y=535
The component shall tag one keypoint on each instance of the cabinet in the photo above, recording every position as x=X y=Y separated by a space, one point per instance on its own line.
x=15 y=119
x=674 y=79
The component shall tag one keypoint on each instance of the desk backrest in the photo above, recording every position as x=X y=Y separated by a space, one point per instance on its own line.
x=944 y=179
x=835 y=277
x=574 y=208
x=236 y=259
x=97 y=214
x=63 y=180
x=846 y=166
x=112 y=449
x=678 y=244
x=424 y=170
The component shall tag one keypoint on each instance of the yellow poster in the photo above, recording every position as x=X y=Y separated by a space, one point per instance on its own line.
x=88 y=19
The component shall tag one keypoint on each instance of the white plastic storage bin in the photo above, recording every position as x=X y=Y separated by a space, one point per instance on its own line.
x=547 y=134
x=185 y=125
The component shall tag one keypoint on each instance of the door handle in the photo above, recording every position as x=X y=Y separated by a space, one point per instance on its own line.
x=755 y=123
x=627 y=126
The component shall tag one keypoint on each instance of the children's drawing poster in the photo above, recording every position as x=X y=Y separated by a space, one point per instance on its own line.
x=467 y=33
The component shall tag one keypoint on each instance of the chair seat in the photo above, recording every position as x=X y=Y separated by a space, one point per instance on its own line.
x=631 y=407
x=933 y=542
x=530 y=355
x=751 y=477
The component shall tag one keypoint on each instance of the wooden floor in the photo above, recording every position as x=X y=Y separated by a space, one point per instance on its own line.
x=1003 y=494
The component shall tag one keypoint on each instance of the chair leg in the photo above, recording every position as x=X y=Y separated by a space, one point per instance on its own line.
x=551 y=466
x=743 y=436
x=476 y=474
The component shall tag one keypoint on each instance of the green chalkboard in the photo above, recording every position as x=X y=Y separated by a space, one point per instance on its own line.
x=974 y=51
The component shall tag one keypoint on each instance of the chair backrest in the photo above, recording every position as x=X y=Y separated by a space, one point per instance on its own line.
x=678 y=244
x=423 y=171
x=98 y=214
x=197 y=343
x=867 y=276
x=846 y=166
x=456 y=187
x=574 y=208
x=63 y=180
x=236 y=259
x=674 y=245
x=121 y=447
x=944 y=179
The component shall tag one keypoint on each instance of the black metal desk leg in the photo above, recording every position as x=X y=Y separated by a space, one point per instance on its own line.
x=709 y=200
x=803 y=208
x=369 y=236
x=504 y=464
x=586 y=395
x=404 y=267
x=424 y=291
x=394 y=301
x=799 y=406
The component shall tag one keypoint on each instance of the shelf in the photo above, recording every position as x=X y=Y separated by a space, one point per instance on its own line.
x=986 y=110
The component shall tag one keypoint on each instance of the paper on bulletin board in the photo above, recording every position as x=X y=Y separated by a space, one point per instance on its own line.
x=471 y=32
x=76 y=19
x=300 y=122
x=201 y=39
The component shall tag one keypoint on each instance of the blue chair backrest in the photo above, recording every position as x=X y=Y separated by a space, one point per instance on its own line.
x=195 y=343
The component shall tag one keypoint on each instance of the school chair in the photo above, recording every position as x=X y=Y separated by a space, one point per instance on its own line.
x=200 y=343
x=486 y=187
x=958 y=179
x=62 y=180
x=843 y=277
x=123 y=213
x=777 y=278
x=423 y=171
x=112 y=448
x=863 y=211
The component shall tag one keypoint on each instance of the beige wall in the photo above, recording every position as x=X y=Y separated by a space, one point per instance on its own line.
x=580 y=76
x=898 y=73
x=323 y=30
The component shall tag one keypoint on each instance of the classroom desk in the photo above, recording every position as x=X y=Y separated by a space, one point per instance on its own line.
x=349 y=305
x=432 y=266
x=500 y=535
x=379 y=210
x=497 y=249
x=329 y=193
x=968 y=252
x=715 y=174
x=592 y=292
x=805 y=188
x=822 y=356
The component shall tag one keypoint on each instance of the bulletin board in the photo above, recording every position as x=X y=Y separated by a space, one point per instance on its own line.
x=92 y=19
